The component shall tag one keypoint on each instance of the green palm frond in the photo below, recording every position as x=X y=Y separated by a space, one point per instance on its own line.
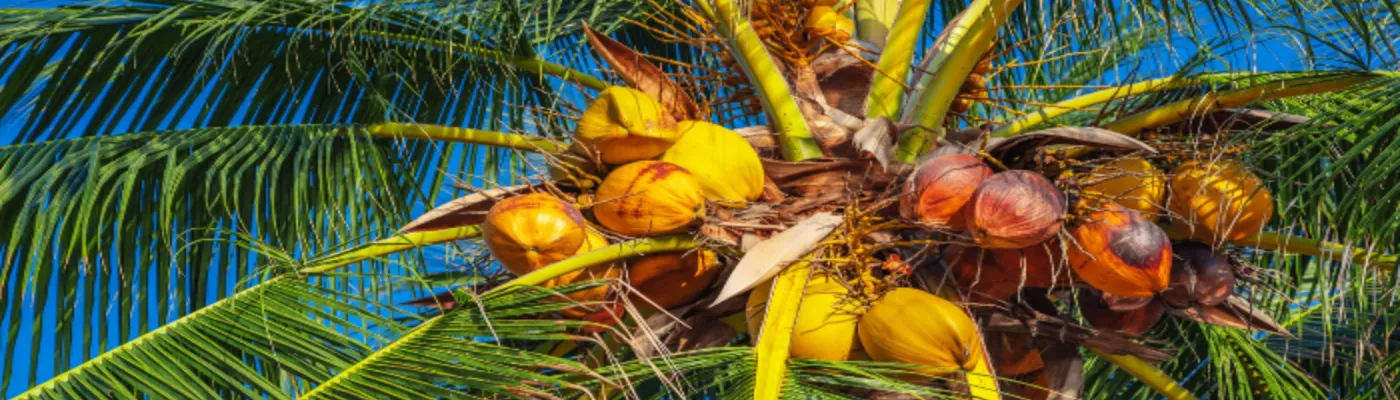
x=217 y=91
x=728 y=372
x=270 y=341
x=78 y=214
x=473 y=350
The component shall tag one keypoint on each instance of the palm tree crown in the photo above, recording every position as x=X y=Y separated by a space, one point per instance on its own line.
x=313 y=198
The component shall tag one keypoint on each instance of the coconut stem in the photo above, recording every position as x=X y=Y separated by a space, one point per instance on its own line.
x=386 y=246
x=608 y=254
x=775 y=337
x=1180 y=110
x=1301 y=245
x=1147 y=374
x=794 y=136
x=465 y=135
x=962 y=50
x=529 y=64
x=893 y=67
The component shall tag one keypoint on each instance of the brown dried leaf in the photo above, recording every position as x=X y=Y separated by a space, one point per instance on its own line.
x=642 y=75
x=875 y=140
x=767 y=258
x=1084 y=135
x=1235 y=312
x=466 y=210
x=1239 y=119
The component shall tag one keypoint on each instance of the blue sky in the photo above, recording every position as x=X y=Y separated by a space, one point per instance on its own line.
x=1268 y=56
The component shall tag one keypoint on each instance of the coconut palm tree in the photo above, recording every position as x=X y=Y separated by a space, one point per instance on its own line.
x=244 y=198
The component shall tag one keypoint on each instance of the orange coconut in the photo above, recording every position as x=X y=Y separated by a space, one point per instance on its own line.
x=1218 y=200
x=979 y=275
x=1131 y=182
x=531 y=231
x=1014 y=209
x=1042 y=265
x=594 y=241
x=647 y=198
x=937 y=191
x=1118 y=251
x=672 y=279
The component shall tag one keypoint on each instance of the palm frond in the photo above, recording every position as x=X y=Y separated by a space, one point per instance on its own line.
x=270 y=341
x=149 y=225
x=472 y=350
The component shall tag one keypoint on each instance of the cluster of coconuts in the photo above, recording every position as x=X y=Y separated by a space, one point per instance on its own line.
x=1026 y=234
x=659 y=176
x=903 y=325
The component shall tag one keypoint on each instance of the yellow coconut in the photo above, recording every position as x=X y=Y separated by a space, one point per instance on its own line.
x=648 y=198
x=824 y=21
x=531 y=231
x=672 y=279
x=726 y=166
x=826 y=319
x=1218 y=200
x=914 y=327
x=593 y=241
x=624 y=124
x=1131 y=182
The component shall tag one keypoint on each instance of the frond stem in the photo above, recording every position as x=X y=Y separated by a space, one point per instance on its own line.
x=520 y=142
x=1147 y=374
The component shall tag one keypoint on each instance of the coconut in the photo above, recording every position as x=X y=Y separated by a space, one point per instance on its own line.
x=528 y=232
x=670 y=280
x=1218 y=200
x=594 y=241
x=624 y=124
x=1131 y=323
x=939 y=189
x=1118 y=251
x=1042 y=265
x=1014 y=209
x=911 y=326
x=1200 y=276
x=647 y=198
x=1131 y=182
x=825 y=328
x=824 y=21
x=727 y=167
x=979 y=275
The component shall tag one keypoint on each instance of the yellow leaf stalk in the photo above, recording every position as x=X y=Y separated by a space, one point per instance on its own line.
x=1180 y=110
x=893 y=68
x=1147 y=374
x=775 y=339
x=794 y=136
x=400 y=130
x=964 y=47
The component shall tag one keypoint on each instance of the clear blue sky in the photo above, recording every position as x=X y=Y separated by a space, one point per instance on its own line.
x=1267 y=57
